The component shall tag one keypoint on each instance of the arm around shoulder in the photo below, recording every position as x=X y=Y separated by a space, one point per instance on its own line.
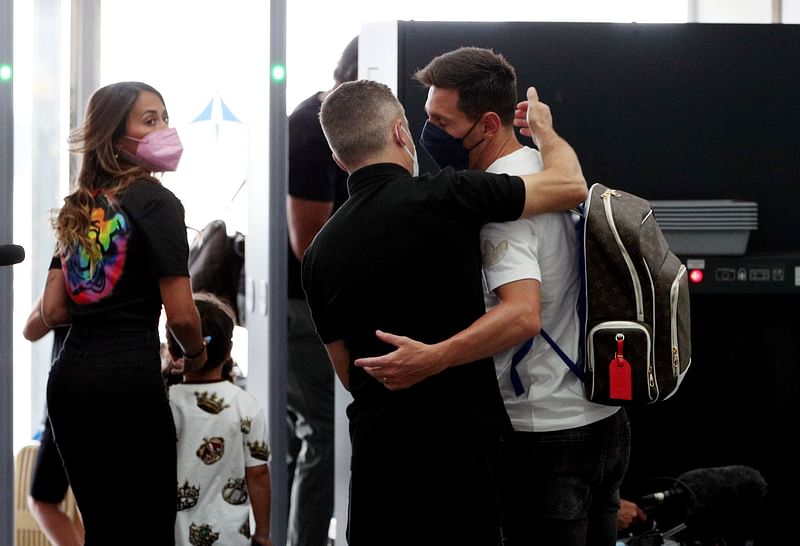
x=516 y=319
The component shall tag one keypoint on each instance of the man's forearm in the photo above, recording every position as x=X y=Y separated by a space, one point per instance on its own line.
x=514 y=320
x=502 y=327
x=561 y=185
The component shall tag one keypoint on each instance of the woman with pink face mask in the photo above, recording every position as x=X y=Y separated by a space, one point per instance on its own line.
x=121 y=255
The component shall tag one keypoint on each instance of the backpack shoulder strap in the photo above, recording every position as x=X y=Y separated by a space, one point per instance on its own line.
x=567 y=360
x=516 y=382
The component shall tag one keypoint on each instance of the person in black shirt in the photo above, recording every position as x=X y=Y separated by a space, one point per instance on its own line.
x=122 y=244
x=401 y=255
x=317 y=188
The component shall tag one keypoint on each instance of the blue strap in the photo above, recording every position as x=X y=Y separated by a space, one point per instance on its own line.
x=516 y=381
x=581 y=229
x=567 y=360
x=519 y=389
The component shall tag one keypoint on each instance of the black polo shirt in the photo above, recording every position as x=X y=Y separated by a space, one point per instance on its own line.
x=403 y=255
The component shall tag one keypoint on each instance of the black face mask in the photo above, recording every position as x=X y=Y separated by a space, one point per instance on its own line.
x=446 y=150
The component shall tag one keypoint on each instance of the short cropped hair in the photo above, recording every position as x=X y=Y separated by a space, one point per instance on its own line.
x=485 y=81
x=357 y=119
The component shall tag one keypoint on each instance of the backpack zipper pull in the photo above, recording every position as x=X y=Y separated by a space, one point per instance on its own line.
x=609 y=193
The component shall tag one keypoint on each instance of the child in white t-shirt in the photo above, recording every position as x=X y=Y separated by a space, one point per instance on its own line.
x=222 y=444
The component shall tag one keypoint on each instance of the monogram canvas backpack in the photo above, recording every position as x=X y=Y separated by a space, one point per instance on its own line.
x=634 y=304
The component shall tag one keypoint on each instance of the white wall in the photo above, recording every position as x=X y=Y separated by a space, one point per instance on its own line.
x=734 y=11
x=791 y=11
x=745 y=11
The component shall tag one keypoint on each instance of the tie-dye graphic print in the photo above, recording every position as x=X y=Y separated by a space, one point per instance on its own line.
x=110 y=232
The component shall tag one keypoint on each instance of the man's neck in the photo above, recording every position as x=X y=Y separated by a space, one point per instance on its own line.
x=387 y=155
x=504 y=144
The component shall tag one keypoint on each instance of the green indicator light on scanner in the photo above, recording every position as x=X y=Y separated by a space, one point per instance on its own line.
x=278 y=72
x=5 y=72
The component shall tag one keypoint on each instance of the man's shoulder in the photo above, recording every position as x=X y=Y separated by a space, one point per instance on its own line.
x=548 y=240
x=524 y=160
x=454 y=178
x=544 y=222
x=310 y=106
x=336 y=224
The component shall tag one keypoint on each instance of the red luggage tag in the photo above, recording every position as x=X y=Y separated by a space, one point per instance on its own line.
x=619 y=374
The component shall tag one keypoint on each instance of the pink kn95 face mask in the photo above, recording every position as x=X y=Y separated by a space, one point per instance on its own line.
x=159 y=151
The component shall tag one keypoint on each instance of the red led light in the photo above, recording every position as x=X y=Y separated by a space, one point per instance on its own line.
x=696 y=276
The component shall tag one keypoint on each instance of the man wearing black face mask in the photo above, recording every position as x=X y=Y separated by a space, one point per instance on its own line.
x=563 y=464
x=445 y=149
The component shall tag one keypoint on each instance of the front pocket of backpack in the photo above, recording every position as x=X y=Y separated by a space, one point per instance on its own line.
x=604 y=375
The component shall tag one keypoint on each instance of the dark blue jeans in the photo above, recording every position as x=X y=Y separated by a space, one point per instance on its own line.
x=561 y=488
x=114 y=430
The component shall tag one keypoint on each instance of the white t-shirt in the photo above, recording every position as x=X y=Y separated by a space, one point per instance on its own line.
x=221 y=431
x=545 y=248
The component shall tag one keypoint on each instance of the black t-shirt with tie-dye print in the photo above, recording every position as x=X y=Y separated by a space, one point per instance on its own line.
x=142 y=237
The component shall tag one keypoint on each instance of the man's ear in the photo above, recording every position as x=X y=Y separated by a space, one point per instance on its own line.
x=400 y=134
x=338 y=162
x=491 y=124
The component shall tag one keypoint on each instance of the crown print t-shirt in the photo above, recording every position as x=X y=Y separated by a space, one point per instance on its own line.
x=221 y=430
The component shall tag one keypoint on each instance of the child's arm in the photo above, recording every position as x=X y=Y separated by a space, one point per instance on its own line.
x=258 y=487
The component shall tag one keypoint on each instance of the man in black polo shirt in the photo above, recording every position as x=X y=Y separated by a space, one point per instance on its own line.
x=401 y=255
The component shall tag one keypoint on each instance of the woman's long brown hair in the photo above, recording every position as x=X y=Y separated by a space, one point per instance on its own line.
x=102 y=168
